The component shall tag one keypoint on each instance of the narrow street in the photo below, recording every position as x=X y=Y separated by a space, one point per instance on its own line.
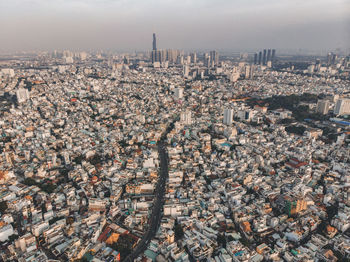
x=158 y=203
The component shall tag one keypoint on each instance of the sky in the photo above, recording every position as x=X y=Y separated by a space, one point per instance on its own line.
x=127 y=25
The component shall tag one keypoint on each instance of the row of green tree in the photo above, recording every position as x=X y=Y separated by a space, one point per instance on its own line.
x=46 y=186
x=291 y=103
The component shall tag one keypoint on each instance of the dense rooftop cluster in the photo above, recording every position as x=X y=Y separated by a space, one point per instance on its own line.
x=257 y=170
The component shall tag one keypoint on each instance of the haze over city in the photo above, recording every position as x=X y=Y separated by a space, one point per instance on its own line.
x=196 y=24
x=174 y=131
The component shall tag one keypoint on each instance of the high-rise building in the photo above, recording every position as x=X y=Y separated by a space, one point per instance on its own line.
x=207 y=61
x=68 y=60
x=311 y=69
x=180 y=60
x=154 y=44
x=318 y=65
x=8 y=71
x=126 y=60
x=234 y=76
x=66 y=158
x=170 y=236
x=27 y=155
x=247 y=71
x=186 y=118
x=260 y=57
x=83 y=56
x=171 y=55
x=255 y=58
x=334 y=58
x=179 y=92
x=214 y=55
x=186 y=70
x=329 y=58
x=22 y=95
x=194 y=58
x=264 y=57
x=251 y=72
x=154 y=56
x=228 y=116
x=8 y=157
x=273 y=55
x=54 y=159
x=163 y=56
x=268 y=55
x=342 y=107
x=157 y=56
x=322 y=107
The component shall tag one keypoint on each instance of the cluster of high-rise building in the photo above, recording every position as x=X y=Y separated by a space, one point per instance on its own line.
x=265 y=57
x=113 y=158
x=339 y=106
x=211 y=59
x=342 y=107
x=331 y=58
x=159 y=57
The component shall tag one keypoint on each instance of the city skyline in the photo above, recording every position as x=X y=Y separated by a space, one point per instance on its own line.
x=179 y=151
x=204 y=25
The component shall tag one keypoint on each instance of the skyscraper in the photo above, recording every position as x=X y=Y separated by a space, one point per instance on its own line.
x=228 y=116
x=154 y=42
x=247 y=71
x=264 y=57
x=154 y=56
x=22 y=95
x=255 y=58
x=186 y=70
x=342 y=107
x=179 y=93
x=162 y=55
x=207 y=61
x=334 y=58
x=322 y=107
x=273 y=55
x=329 y=58
x=260 y=56
x=185 y=117
x=214 y=55
x=268 y=55
x=251 y=72
x=194 y=58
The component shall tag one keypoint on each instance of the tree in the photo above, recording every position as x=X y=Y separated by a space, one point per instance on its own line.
x=13 y=238
x=78 y=159
x=299 y=130
x=221 y=239
x=55 y=219
x=43 y=208
x=207 y=179
x=29 y=182
x=48 y=187
x=332 y=210
x=83 y=259
x=124 y=245
x=3 y=206
x=286 y=121
x=179 y=232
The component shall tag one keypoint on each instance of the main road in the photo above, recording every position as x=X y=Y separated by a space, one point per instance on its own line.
x=156 y=215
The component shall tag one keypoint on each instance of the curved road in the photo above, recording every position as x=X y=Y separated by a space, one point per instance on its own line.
x=158 y=203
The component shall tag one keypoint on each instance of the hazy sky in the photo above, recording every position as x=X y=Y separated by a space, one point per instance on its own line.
x=183 y=24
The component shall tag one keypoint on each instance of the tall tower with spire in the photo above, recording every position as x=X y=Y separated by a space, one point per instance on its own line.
x=154 y=42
